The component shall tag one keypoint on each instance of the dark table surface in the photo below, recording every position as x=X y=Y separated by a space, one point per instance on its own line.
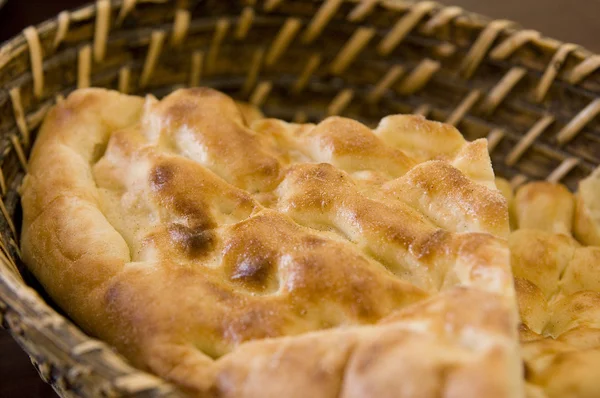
x=568 y=20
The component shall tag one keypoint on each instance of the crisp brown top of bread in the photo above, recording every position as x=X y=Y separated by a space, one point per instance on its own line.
x=241 y=256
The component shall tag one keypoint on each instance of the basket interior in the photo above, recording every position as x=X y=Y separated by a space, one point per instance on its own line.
x=535 y=99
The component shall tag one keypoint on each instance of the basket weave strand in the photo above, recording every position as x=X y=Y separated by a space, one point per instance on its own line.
x=534 y=98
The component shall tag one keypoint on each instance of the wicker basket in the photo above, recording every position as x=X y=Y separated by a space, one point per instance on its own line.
x=534 y=98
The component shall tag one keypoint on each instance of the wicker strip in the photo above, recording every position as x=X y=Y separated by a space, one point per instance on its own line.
x=578 y=122
x=512 y=43
x=442 y=18
x=517 y=181
x=4 y=251
x=494 y=137
x=351 y=49
x=101 y=29
x=114 y=361
x=196 y=68
x=63 y=21
x=311 y=65
x=244 y=23
x=404 y=26
x=465 y=106
x=3 y=189
x=15 y=246
x=84 y=66
x=220 y=33
x=15 y=97
x=63 y=384
x=35 y=118
x=300 y=117
x=8 y=262
x=136 y=383
x=283 y=39
x=389 y=79
x=124 y=77
x=260 y=94
x=181 y=24
x=83 y=15
x=419 y=77
x=528 y=139
x=19 y=151
x=253 y=71
x=126 y=7
x=51 y=321
x=478 y=51
x=444 y=50
x=35 y=53
x=340 y=102
x=361 y=10
x=552 y=70
x=584 y=69
x=154 y=50
x=422 y=110
x=86 y=347
x=270 y=5
x=8 y=219
x=320 y=20
x=502 y=89
x=563 y=169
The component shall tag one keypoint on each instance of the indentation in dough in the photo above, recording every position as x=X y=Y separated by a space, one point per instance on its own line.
x=173 y=194
x=251 y=263
x=161 y=175
x=194 y=242
x=98 y=152
x=252 y=270
x=207 y=127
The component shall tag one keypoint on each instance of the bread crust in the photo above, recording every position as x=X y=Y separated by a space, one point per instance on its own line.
x=248 y=257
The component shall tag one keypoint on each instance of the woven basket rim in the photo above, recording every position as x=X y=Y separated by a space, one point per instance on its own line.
x=22 y=305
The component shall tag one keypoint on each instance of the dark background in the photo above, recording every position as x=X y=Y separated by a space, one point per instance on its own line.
x=568 y=20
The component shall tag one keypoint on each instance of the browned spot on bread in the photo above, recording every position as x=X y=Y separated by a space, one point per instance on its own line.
x=161 y=175
x=194 y=242
x=168 y=181
x=252 y=271
x=251 y=262
x=195 y=211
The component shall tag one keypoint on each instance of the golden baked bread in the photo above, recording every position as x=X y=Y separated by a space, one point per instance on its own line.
x=558 y=288
x=245 y=257
x=587 y=210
